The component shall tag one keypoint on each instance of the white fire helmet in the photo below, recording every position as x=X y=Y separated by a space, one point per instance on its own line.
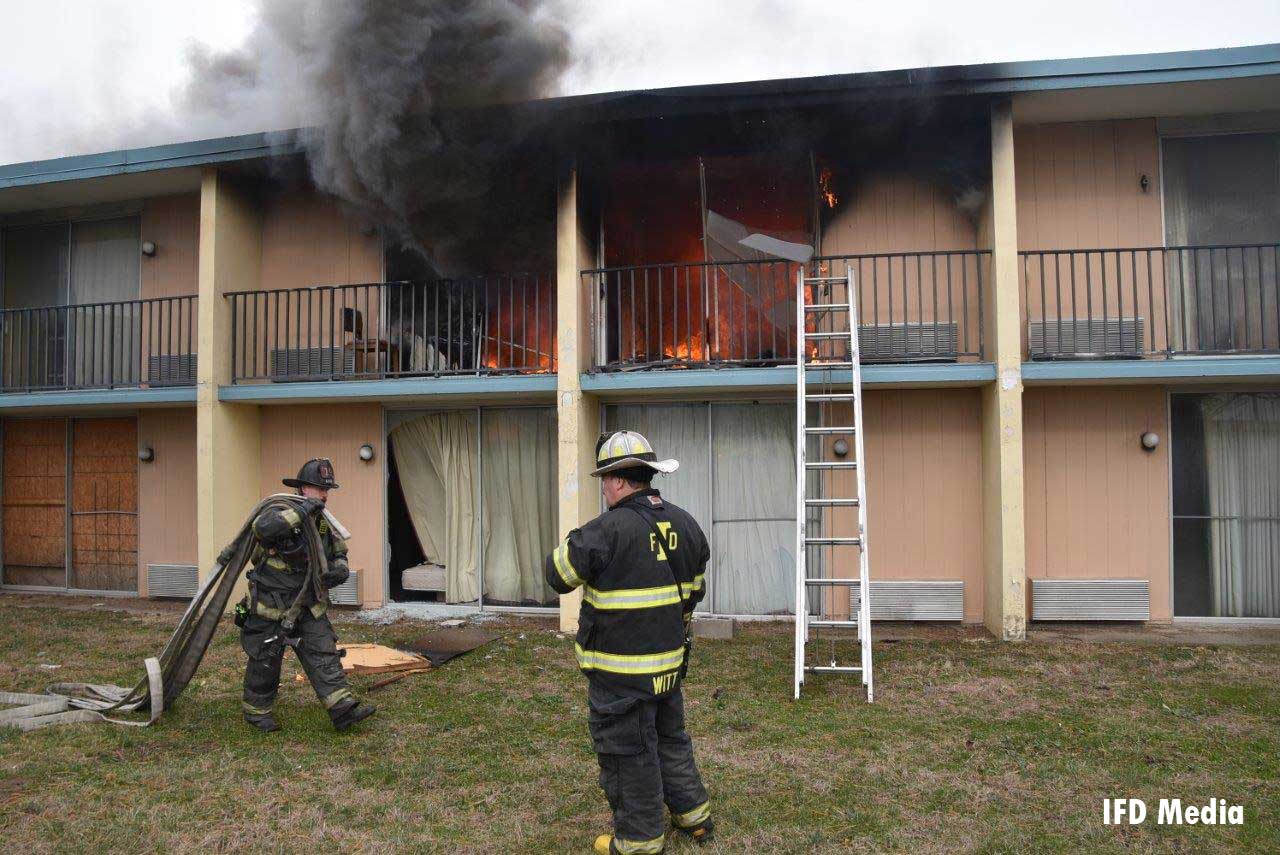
x=626 y=449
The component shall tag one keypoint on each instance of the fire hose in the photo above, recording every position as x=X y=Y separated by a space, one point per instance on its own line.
x=168 y=674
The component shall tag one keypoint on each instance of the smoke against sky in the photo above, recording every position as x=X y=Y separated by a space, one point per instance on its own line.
x=80 y=76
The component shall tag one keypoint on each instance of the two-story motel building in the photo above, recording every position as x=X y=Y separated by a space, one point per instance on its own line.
x=1069 y=292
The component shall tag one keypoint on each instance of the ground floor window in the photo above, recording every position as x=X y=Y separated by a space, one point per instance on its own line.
x=1226 y=505
x=70 y=504
x=737 y=478
x=472 y=505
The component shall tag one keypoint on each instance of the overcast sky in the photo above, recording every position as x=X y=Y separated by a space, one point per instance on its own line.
x=81 y=76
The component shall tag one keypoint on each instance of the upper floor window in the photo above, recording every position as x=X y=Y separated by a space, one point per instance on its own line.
x=87 y=261
x=1222 y=189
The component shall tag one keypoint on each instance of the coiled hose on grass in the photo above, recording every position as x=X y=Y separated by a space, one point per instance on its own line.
x=169 y=673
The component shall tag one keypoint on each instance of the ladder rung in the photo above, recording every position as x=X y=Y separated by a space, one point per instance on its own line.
x=827 y=464
x=826 y=279
x=832 y=669
x=832 y=623
x=831 y=503
x=830 y=396
x=832 y=582
x=832 y=541
x=827 y=307
x=829 y=430
x=845 y=334
x=827 y=365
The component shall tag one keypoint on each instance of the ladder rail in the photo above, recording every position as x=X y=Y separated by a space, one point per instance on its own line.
x=802 y=594
x=864 y=565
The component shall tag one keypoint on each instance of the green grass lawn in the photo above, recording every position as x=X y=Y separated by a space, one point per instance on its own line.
x=971 y=746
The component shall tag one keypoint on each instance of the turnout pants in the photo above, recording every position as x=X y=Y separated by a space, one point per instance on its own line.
x=263 y=640
x=646 y=762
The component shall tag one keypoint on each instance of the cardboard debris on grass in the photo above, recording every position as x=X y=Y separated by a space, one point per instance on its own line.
x=363 y=658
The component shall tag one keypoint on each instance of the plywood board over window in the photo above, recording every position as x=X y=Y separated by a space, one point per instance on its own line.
x=35 y=491
x=104 y=505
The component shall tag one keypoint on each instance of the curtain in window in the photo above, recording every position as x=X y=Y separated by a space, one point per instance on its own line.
x=518 y=449
x=35 y=276
x=105 y=269
x=1242 y=456
x=1220 y=191
x=438 y=465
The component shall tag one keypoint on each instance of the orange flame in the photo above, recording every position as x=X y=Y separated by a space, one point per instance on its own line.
x=824 y=187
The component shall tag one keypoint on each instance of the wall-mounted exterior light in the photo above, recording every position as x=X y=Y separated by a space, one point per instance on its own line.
x=146 y=454
x=840 y=447
x=148 y=248
x=366 y=452
x=1144 y=181
x=1150 y=440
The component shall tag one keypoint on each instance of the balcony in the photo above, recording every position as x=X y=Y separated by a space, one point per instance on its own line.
x=478 y=326
x=1151 y=302
x=128 y=344
x=912 y=307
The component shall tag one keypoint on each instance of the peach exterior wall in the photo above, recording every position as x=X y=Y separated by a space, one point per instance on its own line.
x=1097 y=504
x=924 y=488
x=172 y=223
x=898 y=213
x=166 y=490
x=309 y=240
x=293 y=435
x=1078 y=185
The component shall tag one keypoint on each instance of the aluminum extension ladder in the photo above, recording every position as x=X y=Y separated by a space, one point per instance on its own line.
x=827 y=338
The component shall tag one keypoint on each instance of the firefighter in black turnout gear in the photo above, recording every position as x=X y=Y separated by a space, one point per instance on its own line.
x=288 y=600
x=641 y=566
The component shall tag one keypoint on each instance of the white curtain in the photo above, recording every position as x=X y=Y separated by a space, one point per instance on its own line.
x=754 y=513
x=105 y=269
x=1242 y=456
x=752 y=479
x=518 y=448
x=438 y=464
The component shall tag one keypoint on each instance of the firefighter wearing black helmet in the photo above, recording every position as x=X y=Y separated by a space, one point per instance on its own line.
x=641 y=566
x=279 y=574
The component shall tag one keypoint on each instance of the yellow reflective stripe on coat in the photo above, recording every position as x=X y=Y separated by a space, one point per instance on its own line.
x=631 y=598
x=639 y=847
x=292 y=517
x=619 y=663
x=560 y=556
x=687 y=588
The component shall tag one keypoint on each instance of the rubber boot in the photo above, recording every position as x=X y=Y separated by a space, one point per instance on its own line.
x=266 y=723
x=703 y=833
x=348 y=712
x=603 y=844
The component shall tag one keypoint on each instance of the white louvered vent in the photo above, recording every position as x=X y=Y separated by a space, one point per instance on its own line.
x=1090 y=599
x=895 y=342
x=1085 y=337
x=172 y=580
x=913 y=600
x=298 y=363
x=172 y=370
x=348 y=593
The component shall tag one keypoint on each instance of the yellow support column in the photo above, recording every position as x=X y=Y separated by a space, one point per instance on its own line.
x=1004 y=536
x=227 y=435
x=577 y=414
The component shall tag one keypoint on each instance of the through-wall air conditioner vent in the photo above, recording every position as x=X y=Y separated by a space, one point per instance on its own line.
x=1076 y=337
x=348 y=593
x=1090 y=599
x=172 y=370
x=172 y=580
x=907 y=342
x=912 y=600
x=300 y=363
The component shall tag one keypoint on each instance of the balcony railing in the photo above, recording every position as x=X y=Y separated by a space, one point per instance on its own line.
x=132 y=343
x=502 y=324
x=1151 y=301
x=912 y=307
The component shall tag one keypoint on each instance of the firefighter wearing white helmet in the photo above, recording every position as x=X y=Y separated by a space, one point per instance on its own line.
x=641 y=565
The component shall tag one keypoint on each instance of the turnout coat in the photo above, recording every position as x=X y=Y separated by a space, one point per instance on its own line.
x=642 y=567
